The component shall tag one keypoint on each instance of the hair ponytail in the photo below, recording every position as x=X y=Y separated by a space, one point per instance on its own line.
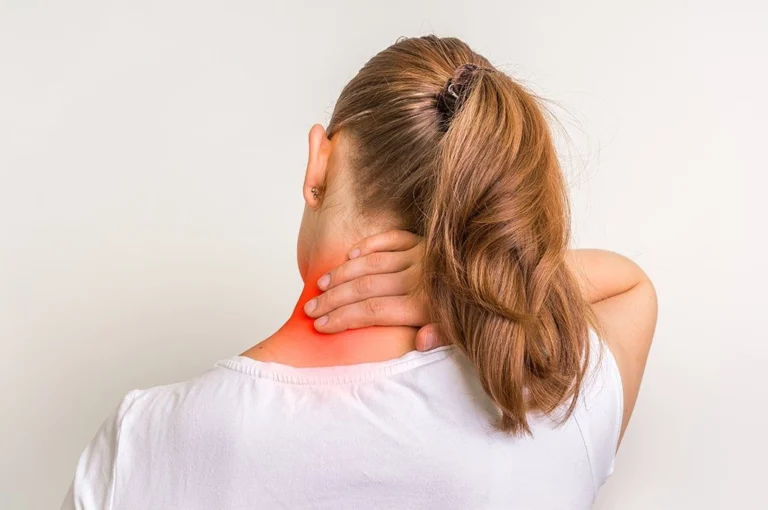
x=496 y=241
x=471 y=166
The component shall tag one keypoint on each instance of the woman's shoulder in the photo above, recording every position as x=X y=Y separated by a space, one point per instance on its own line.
x=209 y=384
x=599 y=410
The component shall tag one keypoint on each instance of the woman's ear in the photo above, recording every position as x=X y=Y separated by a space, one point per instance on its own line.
x=317 y=166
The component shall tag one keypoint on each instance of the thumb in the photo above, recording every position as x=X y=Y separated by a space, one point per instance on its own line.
x=428 y=338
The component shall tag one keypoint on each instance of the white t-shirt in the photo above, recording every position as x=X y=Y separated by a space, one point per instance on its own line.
x=410 y=433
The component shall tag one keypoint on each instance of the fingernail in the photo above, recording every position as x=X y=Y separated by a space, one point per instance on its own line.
x=321 y=321
x=311 y=305
x=354 y=253
x=324 y=281
x=429 y=341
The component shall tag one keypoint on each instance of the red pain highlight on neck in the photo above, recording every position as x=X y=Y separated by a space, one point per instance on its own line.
x=298 y=343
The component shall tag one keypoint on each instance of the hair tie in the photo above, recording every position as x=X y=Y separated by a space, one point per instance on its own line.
x=455 y=91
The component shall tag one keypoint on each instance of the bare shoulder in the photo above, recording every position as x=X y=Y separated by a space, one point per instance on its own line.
x=628 y=324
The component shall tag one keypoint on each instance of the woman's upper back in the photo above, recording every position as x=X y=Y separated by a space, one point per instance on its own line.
x=413 y=432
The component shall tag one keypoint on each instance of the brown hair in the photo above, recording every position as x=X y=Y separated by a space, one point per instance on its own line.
x=463 y=155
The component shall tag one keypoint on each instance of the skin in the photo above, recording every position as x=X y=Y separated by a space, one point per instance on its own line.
x=365 y=307
x=620 y=293
x=329 y=229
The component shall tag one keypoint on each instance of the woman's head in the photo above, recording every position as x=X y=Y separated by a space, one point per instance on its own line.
x=430 y=137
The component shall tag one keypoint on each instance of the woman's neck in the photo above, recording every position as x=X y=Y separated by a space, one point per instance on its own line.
x=298 y=344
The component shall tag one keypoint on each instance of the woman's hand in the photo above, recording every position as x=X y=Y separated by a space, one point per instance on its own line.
x=378 y=286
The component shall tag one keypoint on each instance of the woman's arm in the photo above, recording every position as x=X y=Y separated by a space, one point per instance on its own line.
x=621 y=295
x=603 y=274
x=624 y=301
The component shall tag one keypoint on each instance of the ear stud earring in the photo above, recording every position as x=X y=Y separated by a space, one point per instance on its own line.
x=315 y=192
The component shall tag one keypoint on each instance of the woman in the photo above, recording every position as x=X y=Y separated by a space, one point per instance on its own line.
x=522 y=407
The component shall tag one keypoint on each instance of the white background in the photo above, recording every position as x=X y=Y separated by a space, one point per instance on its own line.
x=151 y=162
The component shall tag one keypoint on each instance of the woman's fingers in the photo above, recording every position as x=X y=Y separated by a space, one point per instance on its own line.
x=393 y=240
x=378 y=311
x=370 y=264
x=429 y=337
x=362 y=288
x=376 y=287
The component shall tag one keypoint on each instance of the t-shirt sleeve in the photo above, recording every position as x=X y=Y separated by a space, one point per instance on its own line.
x=599 y=414
x=93 y=485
